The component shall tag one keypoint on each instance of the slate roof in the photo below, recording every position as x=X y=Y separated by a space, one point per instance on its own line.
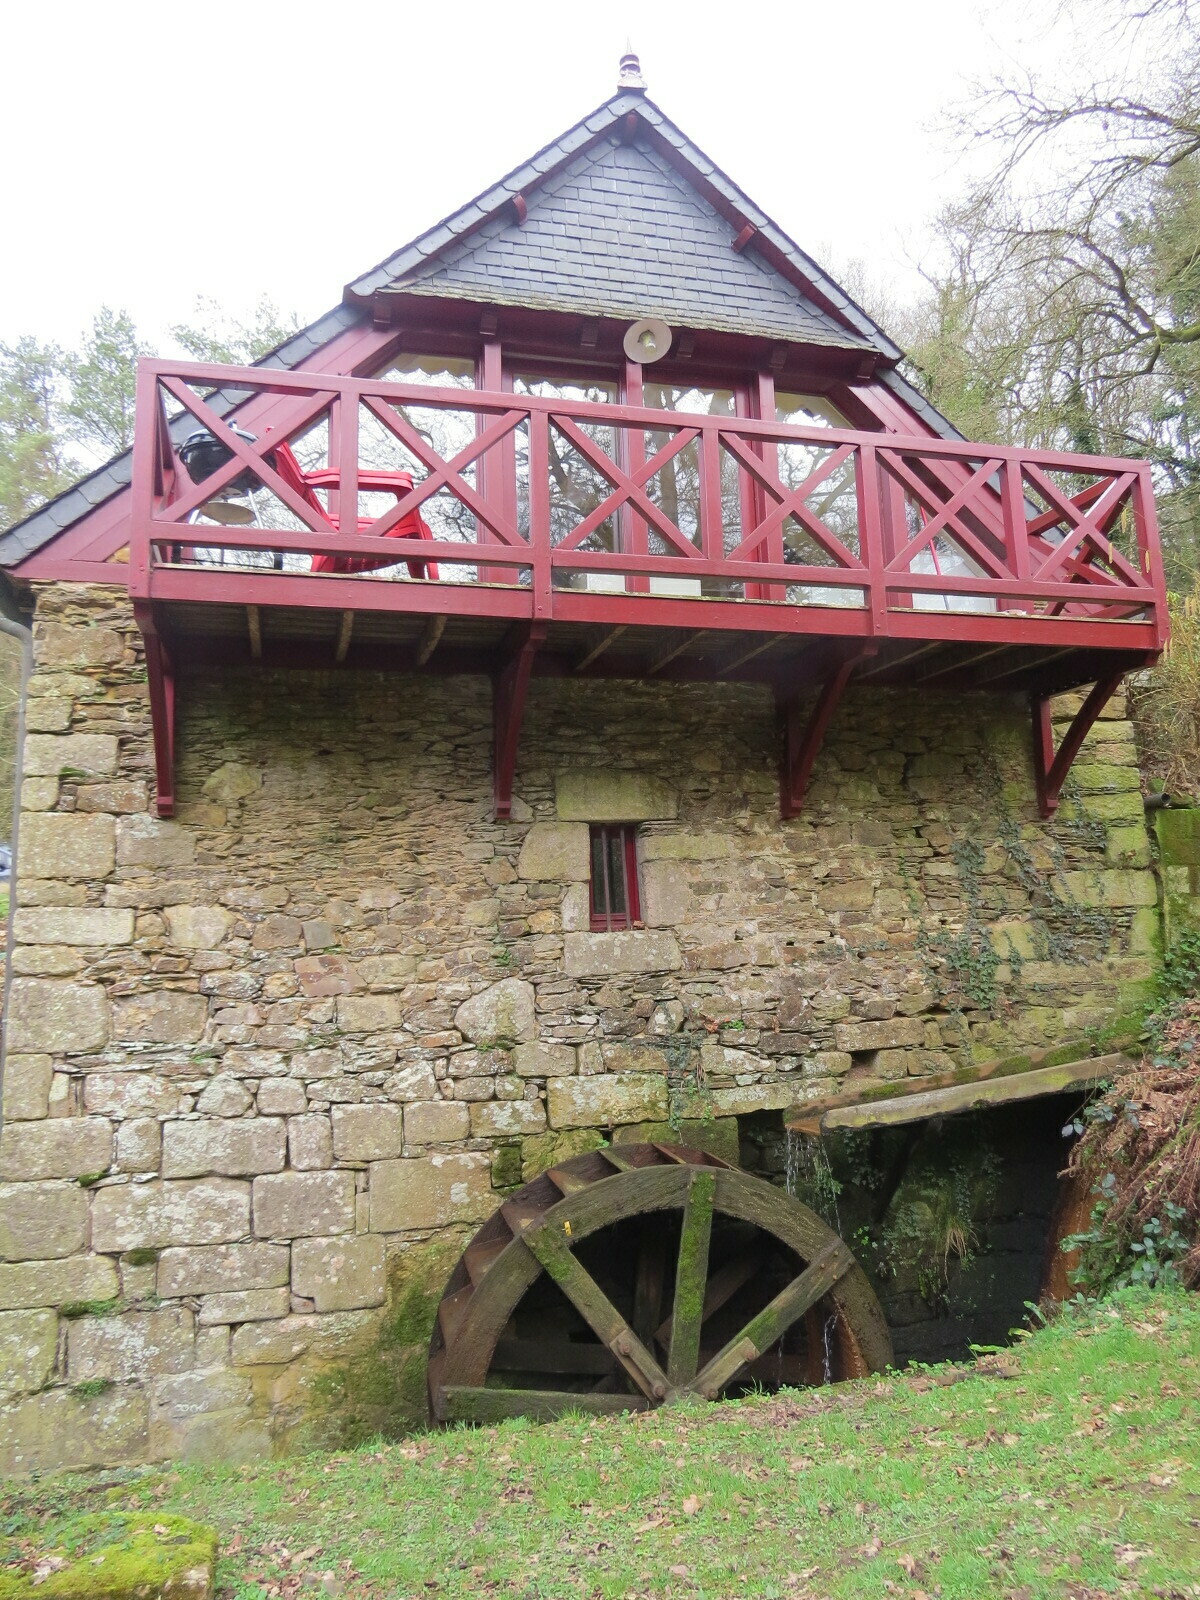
x=617 y=232
x=565 y=257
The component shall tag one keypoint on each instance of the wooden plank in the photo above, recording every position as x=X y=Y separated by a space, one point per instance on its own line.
x=598 y=650
x=806 y=1115
x=458 y=1403
x=345 y=629
x=722 y=1286
x=773 y=1321
x=691 y=1277
x=962 y=1097
x=668 y=655
x=254 y=624
x=551 y=1355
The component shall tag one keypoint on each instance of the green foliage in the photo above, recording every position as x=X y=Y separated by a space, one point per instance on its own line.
x=1166 y=704
x=101 y=380
x=993 y=1485
x=106 y=1556
x=1179 y=978
x=223 y=340
x=1110 y=1261
x=33 y=466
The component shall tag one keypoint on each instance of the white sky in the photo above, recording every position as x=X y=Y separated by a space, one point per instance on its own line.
x=156 y=151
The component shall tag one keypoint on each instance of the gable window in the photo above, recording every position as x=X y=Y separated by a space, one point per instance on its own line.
x=615 y=900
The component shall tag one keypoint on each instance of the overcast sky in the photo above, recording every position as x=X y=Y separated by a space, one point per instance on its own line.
x=157 y=151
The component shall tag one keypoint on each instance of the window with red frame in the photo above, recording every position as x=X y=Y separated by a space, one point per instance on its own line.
x=615 y=901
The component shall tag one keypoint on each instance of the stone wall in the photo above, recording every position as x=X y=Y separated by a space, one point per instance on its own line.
x=270 y=1063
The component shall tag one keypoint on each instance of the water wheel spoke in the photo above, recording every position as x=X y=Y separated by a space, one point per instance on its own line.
x=649 y=1282
x=722 y=1287
x=773 y=1321
x=691 y=1277
x=550 y=1248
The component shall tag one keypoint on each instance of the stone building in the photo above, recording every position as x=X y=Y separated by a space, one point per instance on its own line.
x=353 y=891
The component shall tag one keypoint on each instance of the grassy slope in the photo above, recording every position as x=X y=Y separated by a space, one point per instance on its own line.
x=1076 y=1476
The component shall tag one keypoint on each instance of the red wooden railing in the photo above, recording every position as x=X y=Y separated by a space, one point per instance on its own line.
x=552 y=510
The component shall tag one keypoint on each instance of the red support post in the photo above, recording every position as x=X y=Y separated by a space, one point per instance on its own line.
x=160 y=674
x=1050 y=768
x=509 y=689
x=802 y=740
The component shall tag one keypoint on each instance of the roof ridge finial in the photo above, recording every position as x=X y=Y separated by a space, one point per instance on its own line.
x=629 y=76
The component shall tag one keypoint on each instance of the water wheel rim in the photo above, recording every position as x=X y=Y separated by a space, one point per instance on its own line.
x=460 y=1362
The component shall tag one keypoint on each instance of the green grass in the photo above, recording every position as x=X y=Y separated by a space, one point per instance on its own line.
x=1076 y=1476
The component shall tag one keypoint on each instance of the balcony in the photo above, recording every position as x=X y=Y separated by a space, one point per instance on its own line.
x=456 y=530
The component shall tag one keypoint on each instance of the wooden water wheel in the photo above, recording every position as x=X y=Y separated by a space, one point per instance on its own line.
x=643 y=1273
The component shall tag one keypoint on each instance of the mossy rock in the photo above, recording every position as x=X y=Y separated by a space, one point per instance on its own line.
x=112 y=1556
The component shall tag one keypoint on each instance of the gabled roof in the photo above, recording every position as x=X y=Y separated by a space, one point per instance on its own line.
x=625 y=217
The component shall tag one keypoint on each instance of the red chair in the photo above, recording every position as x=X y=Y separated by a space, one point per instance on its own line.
x=412 y=526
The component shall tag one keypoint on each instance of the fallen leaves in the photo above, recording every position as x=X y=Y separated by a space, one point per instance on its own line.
x=691 y=1505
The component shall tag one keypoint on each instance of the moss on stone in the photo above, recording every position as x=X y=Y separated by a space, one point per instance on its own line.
x=544 y=1150
x=506 y=1167
x=717 y=1136
x=112 y=1556
x=380 y=1390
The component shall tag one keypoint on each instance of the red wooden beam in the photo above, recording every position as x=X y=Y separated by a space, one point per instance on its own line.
x=509 y=689
x=1050 y=768
x=160 y=674
x=802 y=740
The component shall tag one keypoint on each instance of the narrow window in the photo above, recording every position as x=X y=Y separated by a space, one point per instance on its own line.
x=616 y=902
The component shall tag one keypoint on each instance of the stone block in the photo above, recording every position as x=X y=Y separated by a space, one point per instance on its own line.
x=137 y=1345
x=415 y=1082
x=57 y=1283
x=28 y=1350
x=163 y=1017
x=278 y=932
x=129 y=1094
x=232 y=781
x=597 y=1102
x=45 y=1014
x=281 y=1097
x=387 y=972
x=606 y=955
x=493 y=1118
x=436 y=1122
x=139 y=1216
x=370 y=1132
x=318 y=935
x=1019 y=938
x=544 y=1059
x=555 y=852
x=1102 y=778
x=369 y=1013
x=41 y=1221
x=27 y=1087
x=717 y=1135
x=125 y=796
x=503 y=1014
x=244 y=1305
x=221 y=1268
x=685 y=846
x=45 y=961
x=224 y=1096
x=897 y=1034
x=48 y=716
x=599 y=794
x=272 y=1344
x=666 y=897
x=430 y=1192
x=234 y=1148
x=634 y=1055
x=56 y=1430
x=197 y=927
x=49 y=755
x=74 y=925
x=321 y=976
x=1127 y=847
x=298 y=1205
x=66 y=1147
x=144 y=841
x=310 y=1142
x=139 y=1144
x=39 y=794
x=340 y=1274
x=1111 y=890
x=59 y=645
x=741 y=1100
x=854 y=895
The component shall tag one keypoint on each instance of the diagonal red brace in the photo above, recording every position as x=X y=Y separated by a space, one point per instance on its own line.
x=802 y=740
x=509 y=689
x=1050 y=768
x=160 y=675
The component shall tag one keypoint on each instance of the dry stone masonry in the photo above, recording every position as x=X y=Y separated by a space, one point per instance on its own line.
x=270 y=1063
